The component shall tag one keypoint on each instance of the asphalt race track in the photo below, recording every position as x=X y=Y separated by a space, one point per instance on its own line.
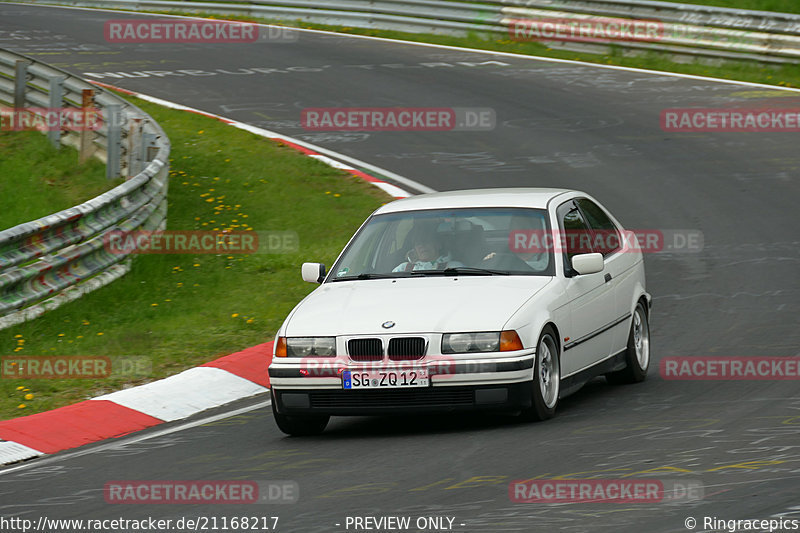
x=558 y=124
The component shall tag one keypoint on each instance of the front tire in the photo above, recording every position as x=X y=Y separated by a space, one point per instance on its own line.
x=637 y=355
x=299 y=426
x=546 y=383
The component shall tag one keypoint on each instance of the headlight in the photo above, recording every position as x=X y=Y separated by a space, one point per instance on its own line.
x=471 y=342
x=311 y=346
x=488 y=341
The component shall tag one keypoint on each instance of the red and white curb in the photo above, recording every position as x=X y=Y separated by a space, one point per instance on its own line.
x=328 y=157
x=230 y=378
x=233 y=377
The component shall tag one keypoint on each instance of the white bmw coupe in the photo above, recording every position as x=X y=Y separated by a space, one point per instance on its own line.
x=501 y=299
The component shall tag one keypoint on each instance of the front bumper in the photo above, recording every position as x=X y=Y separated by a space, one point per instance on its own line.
x=510 y=396
x=499 y=383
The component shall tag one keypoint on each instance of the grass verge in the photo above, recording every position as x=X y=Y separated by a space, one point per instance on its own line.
x=37 y=180
x=182 y=310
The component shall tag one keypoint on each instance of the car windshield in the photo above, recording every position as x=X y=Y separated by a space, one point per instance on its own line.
x=469 y=241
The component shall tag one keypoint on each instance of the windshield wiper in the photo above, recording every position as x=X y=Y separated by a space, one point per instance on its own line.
x=365 y=275
x=474 y=271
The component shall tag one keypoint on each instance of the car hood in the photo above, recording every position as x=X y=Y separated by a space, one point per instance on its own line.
x=416 y=305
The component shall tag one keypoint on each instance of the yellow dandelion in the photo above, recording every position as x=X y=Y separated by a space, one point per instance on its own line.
x=17 y=336
x=228 y=160
x=200 y=132
x=21 y=406
x=79 y=337
x=196 y=265
x=60 y=334
x=210 y=200
x=234 y=315
x=250 y=320
x=29 y=396
x=337 y=195
x=20 y=387
x=100 y=334
x=153 y=305
x=180 y=284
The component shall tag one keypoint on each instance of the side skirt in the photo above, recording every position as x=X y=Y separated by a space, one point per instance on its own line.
x=574 y=382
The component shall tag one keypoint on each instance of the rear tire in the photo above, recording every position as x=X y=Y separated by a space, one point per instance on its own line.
x=637 y=355
x=546 y=383
x=299 y=426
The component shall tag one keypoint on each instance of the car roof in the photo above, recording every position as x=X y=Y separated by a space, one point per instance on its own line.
x=507 y=197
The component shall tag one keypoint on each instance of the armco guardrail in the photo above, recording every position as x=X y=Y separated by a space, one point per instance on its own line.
x=688 y=30
x=54 y=259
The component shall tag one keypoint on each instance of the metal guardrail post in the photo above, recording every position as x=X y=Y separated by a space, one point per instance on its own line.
x=134 y=152
x=114 y=139
x=55 y=104
x=20 y=82
x=85 y=144
x=149 y=146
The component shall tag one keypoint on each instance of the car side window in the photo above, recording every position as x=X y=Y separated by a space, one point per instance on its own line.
x=607 y=238
x=576 y=237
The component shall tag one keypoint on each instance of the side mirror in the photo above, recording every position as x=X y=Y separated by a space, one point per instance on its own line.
x=314 y=272
x=587 y=263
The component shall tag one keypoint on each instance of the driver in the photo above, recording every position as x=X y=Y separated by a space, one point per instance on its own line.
x=428 y=251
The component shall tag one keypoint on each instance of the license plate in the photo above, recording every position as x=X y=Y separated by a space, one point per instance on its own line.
x=384 y=379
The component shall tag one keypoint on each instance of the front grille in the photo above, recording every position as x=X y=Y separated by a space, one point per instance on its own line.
x=406 y=348
x=417 y=397
x=365 y=349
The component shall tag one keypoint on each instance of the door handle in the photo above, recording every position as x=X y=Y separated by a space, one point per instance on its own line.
x=607 y=277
